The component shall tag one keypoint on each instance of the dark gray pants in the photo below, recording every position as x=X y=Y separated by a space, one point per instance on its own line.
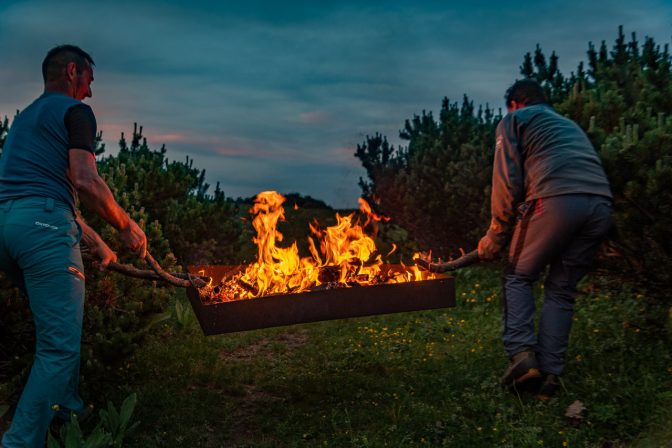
x=563 y=233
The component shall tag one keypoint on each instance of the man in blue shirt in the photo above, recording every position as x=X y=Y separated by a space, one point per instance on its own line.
x=47 y=162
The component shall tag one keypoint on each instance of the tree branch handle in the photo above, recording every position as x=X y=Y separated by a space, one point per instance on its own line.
x=191 y=280
x=156 y=273
x=464 y=261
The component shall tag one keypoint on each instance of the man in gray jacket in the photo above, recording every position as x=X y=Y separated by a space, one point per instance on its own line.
x=551 y=200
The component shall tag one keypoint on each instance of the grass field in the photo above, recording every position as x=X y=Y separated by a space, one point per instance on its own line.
x=406 y=380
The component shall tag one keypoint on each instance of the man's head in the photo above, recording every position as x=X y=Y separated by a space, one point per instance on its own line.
x=68 y=69
x=523 y=93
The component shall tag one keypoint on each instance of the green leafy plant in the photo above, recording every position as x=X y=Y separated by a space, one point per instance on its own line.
x=118 y=423
x=71 y=436
x=113 y=428
x=183 y=314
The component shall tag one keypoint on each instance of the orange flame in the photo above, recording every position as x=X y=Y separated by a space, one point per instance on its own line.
x=343 y=255
x=365 y=208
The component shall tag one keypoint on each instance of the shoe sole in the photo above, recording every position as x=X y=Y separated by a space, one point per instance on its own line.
x=530 y=374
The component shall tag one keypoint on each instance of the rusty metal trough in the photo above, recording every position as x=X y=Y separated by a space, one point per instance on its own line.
x=337 y=303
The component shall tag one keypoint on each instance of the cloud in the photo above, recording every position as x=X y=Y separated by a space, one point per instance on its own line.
x=314 y=117
x=263 y=93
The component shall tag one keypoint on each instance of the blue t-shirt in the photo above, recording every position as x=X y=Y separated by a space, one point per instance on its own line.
x=34 y=159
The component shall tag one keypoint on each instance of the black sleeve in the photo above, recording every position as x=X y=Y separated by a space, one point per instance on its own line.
x=81 y=125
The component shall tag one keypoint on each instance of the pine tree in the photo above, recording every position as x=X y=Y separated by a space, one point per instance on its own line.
x=435 y=187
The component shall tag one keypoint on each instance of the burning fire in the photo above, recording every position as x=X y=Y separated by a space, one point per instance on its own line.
x=341 y=256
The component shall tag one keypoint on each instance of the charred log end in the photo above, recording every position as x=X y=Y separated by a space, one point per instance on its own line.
x=247 y=287
x=329 y=274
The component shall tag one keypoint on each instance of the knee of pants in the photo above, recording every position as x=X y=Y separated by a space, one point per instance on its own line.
x=57 y=364
x=65 y=338
x=61 y=349
x=60 y=355
x=517 y=280
x=560 y=292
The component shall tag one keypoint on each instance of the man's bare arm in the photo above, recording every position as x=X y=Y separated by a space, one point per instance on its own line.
x=96 y=195
x=95 y=243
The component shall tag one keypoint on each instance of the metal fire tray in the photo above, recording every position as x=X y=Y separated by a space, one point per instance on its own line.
x=337 y=303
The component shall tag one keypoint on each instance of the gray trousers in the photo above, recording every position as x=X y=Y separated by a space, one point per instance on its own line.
x=562 y=233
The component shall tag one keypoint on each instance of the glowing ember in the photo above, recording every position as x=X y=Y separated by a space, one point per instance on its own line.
x=343 y=256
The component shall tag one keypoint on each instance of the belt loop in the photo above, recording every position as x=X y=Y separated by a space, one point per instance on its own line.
x=49 y=205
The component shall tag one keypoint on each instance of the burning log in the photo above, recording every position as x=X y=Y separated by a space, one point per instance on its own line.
x=329 y=274
x=247 y=287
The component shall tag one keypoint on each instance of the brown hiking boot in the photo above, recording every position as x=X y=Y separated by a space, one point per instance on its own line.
x=549 y=386
x=522 y=369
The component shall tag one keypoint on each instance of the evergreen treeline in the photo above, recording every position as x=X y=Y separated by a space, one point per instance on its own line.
x=199 y=226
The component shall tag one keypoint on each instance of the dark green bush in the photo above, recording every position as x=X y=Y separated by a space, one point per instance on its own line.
x=437 y=188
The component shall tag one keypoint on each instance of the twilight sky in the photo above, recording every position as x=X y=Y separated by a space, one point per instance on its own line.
x=276 y=95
